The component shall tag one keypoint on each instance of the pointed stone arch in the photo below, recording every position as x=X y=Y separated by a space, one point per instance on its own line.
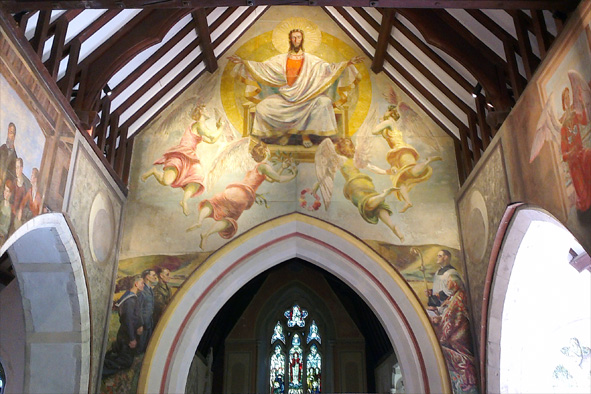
x=514 y=226
x=53 y=289
x=168 y=358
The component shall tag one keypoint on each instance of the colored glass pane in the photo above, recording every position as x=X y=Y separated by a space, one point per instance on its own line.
x=295 y=316
x=278 y=333
x=277 y=366
x=313 y=334
x=314 y=370
x=296 y=366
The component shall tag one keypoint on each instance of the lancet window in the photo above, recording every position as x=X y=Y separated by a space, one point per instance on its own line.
x=295 y=362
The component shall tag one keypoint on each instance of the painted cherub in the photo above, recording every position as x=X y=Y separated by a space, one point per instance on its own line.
x=226 y=207
x=181 y=166
x=566 y=132
x=406 y=170
x=359 y=187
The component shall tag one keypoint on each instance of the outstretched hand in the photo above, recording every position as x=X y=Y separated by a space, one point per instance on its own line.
x=236 y=59
x=356 y=59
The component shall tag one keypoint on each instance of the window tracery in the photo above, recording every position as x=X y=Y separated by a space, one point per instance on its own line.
x=295 y=367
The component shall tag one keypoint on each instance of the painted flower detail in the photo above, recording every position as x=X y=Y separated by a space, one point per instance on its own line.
x=304 y=201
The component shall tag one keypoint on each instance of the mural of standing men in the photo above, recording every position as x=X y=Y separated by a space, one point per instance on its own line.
x=31 y=204
x=147 y=307
x=6 y=211
x=162 y=292
x=21 y=186
x=8 y=155
x=124 y=349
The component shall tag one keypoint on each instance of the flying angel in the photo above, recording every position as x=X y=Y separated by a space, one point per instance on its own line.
x=226 y=207
x=359 y=188
x=408 y=121
x=406 y=168
x=181 y=165
x=566 y=131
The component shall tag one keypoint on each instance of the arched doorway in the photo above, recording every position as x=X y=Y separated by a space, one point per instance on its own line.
x=174 y=343
x=539 y=309
x=55 y=328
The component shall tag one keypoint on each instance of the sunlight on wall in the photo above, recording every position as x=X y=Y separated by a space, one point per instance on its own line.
x=546 y=317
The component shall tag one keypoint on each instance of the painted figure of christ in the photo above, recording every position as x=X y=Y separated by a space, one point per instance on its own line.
x=300 y=103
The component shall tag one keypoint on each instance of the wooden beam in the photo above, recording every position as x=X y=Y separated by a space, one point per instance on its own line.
x=100 y=131
x=112 y=141
x=142 y=68
x=362 y=32
x=127 y=161
x=424 y=70
x=476 y=141
x=433 y=56
x=559 y=20
x=466 y=151
x=67 y=82
x=564 y=5
x=38 y=40
x=516 y=81
x=530 y=63
x=416 y=85
x=22 y=18
x=229 y=30
x=485 y=133
x=460 y=161
x=202 y=29
x=443 y=31
x=143 y=31
x=91 y=29
x=385 y=33
x=138 y=93
x=121 y=152
x=541 y=32
x=59 y=38
x=155 y=98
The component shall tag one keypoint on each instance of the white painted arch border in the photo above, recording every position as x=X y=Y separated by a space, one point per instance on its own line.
x=173 y=345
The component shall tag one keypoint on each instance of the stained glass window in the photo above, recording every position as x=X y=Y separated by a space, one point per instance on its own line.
x=297 y=368
x=313 y=370
x=278 y=334
x=295 y=316
x=278 y=371
x=313 y=335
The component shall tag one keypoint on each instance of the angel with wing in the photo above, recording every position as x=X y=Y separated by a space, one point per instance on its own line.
x=566 y=131
x=181 y=166
x=406 y=170
x=359 y=187
x=226 y=207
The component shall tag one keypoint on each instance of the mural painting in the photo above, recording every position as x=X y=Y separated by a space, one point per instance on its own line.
x=564 y=124
x=22 y=192
x=292 y=121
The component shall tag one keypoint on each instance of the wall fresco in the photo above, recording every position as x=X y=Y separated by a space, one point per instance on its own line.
x=20 y=160
x=270 y=134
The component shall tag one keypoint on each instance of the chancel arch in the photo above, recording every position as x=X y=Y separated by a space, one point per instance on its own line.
x=541 y=287
x=169 y=356
x=55 y=308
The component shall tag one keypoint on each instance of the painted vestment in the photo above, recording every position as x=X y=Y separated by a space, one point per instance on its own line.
x=305 y=107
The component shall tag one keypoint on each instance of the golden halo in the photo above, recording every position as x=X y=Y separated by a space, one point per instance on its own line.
x=312 y=34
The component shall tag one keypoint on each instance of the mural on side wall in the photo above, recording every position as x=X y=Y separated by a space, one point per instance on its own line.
x=292 y=121
x=564 y=123
x=20 y=161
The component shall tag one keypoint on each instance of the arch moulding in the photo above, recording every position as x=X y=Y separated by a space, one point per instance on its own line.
x=174 y=343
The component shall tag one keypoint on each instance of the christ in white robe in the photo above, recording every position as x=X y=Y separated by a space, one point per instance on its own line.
x=301 y=106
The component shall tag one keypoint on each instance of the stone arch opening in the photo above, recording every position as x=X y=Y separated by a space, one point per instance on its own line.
x=532 y=240
x=176 y=338
x=55 y=308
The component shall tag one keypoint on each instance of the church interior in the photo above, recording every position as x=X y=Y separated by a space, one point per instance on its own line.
x=316 y=196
